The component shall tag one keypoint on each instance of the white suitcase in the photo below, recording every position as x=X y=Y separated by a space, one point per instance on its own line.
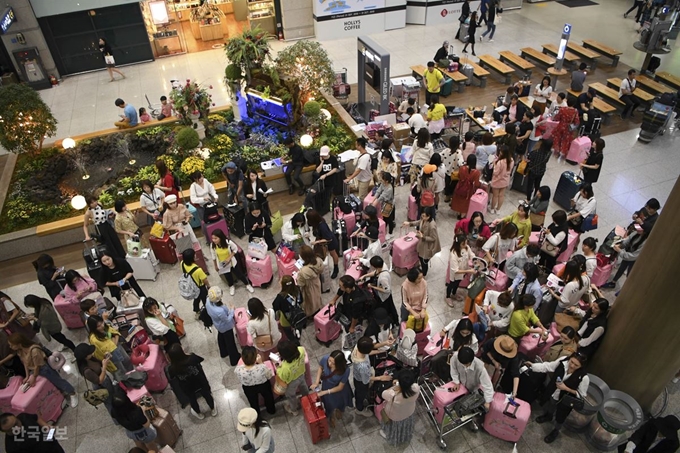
x=145 y=266
x=326 y=275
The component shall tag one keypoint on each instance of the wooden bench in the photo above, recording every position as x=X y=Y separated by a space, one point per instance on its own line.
x=584 y=53
x=101 y=133
x=497 y=65
x=639 y=93
x=418 y=71
x=479 y=72
x=603 y=50
x=669 y=79
x=478 y=121
x=651 y=85
x=540 y=57
x=601 y=106
x=570 y=58
x=512 y=58
x=604 y=91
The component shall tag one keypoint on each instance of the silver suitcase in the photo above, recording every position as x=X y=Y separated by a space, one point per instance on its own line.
x=463 y=32
x=326 y=275
x=145 y=266
x=469 y=72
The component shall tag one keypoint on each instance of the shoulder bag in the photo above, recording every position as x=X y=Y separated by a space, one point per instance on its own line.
x=129 y=298
x=264 y=342
x=95 y=397
x=549 y=249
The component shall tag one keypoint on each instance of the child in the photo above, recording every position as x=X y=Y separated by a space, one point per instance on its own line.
x=166 y=109
x=143 y=116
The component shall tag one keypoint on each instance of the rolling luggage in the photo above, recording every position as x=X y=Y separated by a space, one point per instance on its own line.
x=285 y=268
x=166 y=427
x=578 y=150
x=43 y=397
x=548 y=128
x=566 y=189
x=463 y=32
x=339 y=228
x=69 y=312
x=447 y=88
x=236 y=217
x=136 y=394
x=412 y=214
x=534 y=345
x=506 y=421
x=163 y=249
x=478 y=202
x=370 y=198
x=382 y=230
x=496 y=280
x=195 y=220
x=432 y=348
x=572 y=239
x=350 y=221
x=350 y=257
x=443 y=397
x=356 y=270
x=198 y=257
x=241 y=321
x=260 y=272
x=326 y=274
x=145 y=266
x=154 y=364
x=404 y=254
x=468 y=71
x=208 y=228
x=519 y=182
x=315 y=418
x=421 y=337
x=327 y=329
x=600 y=276
x=6 y=394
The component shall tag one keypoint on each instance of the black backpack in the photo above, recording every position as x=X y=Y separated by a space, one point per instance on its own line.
x=176 y=181
x=295 y=315
x=205 y=318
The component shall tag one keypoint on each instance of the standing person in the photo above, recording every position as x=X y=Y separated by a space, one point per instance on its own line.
x=309 y=280
x=567 y=122
x=235 y=181
x=362 y=173
x=295 y=162
x=515 y=264
x=414 y=295
x=589 y=249
x=105 y=230
x=434 y=79
x=428 y=244
x=166 y=183
x=125 y=224
x=524 y=130
x=161 y=323
x=485 y=152
x=257 y=434
x=542 y=93
x=259 y=225
x=628 y=251
x=556 y=235
x=109 y=61
x=521 y=220
x=129 y=118
x=119 y=276
x=576 y=284
x=422 y=152
x=201 y=192
x=400 y=407
x=537 y=162
x=464 y=15
x=490 y=21
x=324 y=236
x=190 y=267
x=415 y=121
x=131 y=417
x=472 y=28
x=526 y=282
x=452 y=158
x=379 y=280
x=483 y=8
x=475 y=230
x=468 y=183
x=27 y=433
x=327 y=169
x=364 y=375
x=593 y=165
x=106 y=341
x=636 y=4
x=223 y=253
x=500 y=178
x=94 y=371
x=497 y=308
x=46 y=318
x=255 y=190
x=262 y=326
x=578 y=78
x=436 y=112
x=223 y=319
x=384 y=197
x=468 y=371
x=499 y=244
x=292 y=372
x=35 y=364
x=538 y=205
x=49 y=275
x=254 y=377
x=537 y=129
x=188 y=371
x=332 y=385
x=460 y=255
x=176 y=218
x=289 y=297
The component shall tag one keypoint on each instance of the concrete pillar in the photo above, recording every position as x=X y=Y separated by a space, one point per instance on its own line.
x=640 y=353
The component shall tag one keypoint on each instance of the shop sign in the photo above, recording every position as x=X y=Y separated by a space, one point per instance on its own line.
x=8 y=18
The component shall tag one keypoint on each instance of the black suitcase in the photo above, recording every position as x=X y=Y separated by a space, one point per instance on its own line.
x=519 y=183
x=566 y=189
x=340 y=229
x=95 y=271
x=236 y=217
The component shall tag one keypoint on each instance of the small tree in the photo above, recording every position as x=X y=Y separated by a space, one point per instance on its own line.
x=249 y=51
x=25 y=120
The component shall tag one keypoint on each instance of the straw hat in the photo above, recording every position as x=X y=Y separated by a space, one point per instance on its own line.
x=505 y=346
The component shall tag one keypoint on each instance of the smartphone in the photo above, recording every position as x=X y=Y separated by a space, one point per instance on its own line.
x=50 y=434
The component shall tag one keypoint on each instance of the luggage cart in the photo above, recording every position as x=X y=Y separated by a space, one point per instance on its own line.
x=655 y=121
x=428 y=384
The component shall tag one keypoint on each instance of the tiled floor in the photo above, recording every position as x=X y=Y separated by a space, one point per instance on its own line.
x=631 y=174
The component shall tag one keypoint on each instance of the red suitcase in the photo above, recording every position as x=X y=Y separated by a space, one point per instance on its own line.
x=315 y=417
x=421 y=337
x=404 y=253
x=600 y=275
x=198 y=257
x=412 y=208
x=578 y=150
x=8 y=393
x=478 y=202
x=505 y=421
x=154 y=365
x=69 y=312
x=209 y=228
x=43 y=397
x=350 y=219
x=260 y=271
x=241 y=320
x=533 y=345
x=285 y=268
x=443 y=397
x=164 y=249
x=327 y=329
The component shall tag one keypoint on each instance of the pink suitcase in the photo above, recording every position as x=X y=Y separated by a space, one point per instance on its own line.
x=535 y=238
x=260 y=272
x=442 y=398
x=209 y=228
x=404 y=253
x=69 y=312
x=198 y=258
x=327 y=329
x=382 y=230
x=350 y=257
x=431 y=349
x=285 y=268
x=241 y=321
x=571 y=245
x=532 y=345
x=505 y=421
x=549 y=128
x=8 y=393
x=377 y=409
x=370 y=198
x=43 y=397
x=421 y=337
x=350 y=219
x=496 y=280
x=478 y=202
x=601 y=274
x=578 y=150
x=412 y=208
x=558 y=269
x=136 y=394
x=154 y=365
x=356 y=270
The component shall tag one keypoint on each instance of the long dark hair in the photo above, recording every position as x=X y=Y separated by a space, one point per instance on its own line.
x=71 y=277
x=340 y=362
x=423 y=137
x=92 y=323
x=256 y=308
x=456 y=245
x=43 y=261
x=178 y=358
x=36 y=303
x=314 y=218
x=406 y=380
x=471 y=223
x=162 y=168
x=224 y=242
x=458 y=339
x=572 y=270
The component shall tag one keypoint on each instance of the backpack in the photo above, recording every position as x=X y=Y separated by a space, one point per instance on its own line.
x=96 y=397
x=427 y=198
x=295 y=315
x=205 y=318
x=188 y=288
x=468 y=404
x=176 y=182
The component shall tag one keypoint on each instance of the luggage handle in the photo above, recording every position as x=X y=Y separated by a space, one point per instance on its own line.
x=513 y=413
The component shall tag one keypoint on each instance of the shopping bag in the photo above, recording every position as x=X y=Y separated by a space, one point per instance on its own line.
x=277 y=222
x=129 y=298
x=157 y=230
x=285 y=252
x=257 y=249
x=108 y=59
x=134 y=246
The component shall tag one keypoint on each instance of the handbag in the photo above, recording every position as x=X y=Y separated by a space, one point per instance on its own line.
x=574 y=402
x=95 y=397
x=285 y=252
x=549 y=249
x=387 y=209
x=522 y=167
x=157 y=230
x=265 y=342
x=589 y=223
x=108 y=59
x=134 y=246
x=476 y=286
x=277 y=222
x=537 y=219
x=129 y=298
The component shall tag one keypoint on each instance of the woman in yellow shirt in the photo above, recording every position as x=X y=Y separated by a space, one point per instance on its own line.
x=435 y=115
x=106 y=341
x=524 y=321
x=521 y=219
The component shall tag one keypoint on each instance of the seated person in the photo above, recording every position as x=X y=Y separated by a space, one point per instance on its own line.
x=593 y=324
x=564 y=347
x=515 y=110
x=166 y=109
x=415 y=121
x=524 y=321
x=459 y=333
x=469 y=371
x=404 y=106
x=442 y=52
x=90 y=308
x=129 y=117
x=585 y=102
x=494 y=317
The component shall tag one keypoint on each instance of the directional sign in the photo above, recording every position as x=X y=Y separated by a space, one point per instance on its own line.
x=567 y=29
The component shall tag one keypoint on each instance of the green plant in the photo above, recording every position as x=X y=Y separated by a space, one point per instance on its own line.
x=25 y=120
x=221 y=144
x=253 y=155
x=170 y=161
x=249 y=51
x=149 y=172
x=312 y=109
x=191 y=99
x=187 y=138
x=232 y=73
x=336 y=136
x=106 y=199
x=191 y=165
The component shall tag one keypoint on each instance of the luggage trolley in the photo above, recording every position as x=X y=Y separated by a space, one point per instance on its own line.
x=428 y=384
x=655 y=121
x=403 y=88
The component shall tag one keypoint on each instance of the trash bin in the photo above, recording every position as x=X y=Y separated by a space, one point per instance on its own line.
x=598 y=392
x=616 y=420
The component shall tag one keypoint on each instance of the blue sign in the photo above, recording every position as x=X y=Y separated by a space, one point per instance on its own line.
x=6 y=20
x=567 y=29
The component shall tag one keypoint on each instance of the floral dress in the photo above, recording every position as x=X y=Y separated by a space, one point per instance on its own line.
x=563 y=135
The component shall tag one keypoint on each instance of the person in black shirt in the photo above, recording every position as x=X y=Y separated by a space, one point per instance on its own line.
x=472 y=28
x=324 y=236
x=188 y=371
x=501 y=352
x=51 y=277
x=585 y=102
x=24 y=434
x=442 y=52
x=235 y=181
x=523 y=132
x=118 y=276
x=105 y=49
x=593 y=164
x=295 y=163
x=353 y=300
x=259 y=224
x=131 y=417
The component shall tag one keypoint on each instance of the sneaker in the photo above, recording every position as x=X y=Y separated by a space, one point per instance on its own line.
x=388 y=236
x=474 y=54
x=366 y=413
x=214 y=412
x=490 y=40
x=449 y=302
x=73 y=400
x=481 y=38
x=382 y=434
x=625 y=15
x=609 y=285
x=550 y=438
x=197 y=315
x=231 y=290
x=464 y=51
x=250 y=288
x=197 y=415
x=287 y=408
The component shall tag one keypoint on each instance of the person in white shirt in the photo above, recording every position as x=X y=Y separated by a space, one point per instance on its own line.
x=296 y=232
x=374 y=246
x=262 y=323
x=569 y=378
x=494 y=314
x=405 y=104
x=516 y=262
x=496 y=248
x=576 y=285
x=415 y=121
x=151 y=201
x=583 y=204
x=626 y=90
x=257 y=434
x=461 y=334
x=589 y=247
x=560 y=102
x=468 y=371
x=363 y=172
x=542 y=93
x=202 y=192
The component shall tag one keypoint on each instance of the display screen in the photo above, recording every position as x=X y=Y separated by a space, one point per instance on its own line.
x=6 y=20
x=159 y=12
x=562 y=49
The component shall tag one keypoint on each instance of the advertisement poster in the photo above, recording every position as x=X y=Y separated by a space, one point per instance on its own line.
x=346 y=7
